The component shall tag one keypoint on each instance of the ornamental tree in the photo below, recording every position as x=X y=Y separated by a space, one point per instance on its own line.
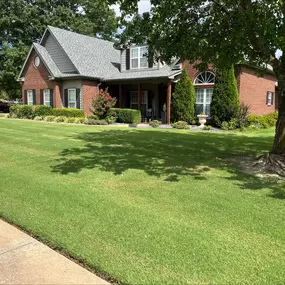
x=183 y=99
x=220 y=32
x=225 y=100
x=102 y=105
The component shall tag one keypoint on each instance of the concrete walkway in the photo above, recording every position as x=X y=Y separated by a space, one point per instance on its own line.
x=24 y=260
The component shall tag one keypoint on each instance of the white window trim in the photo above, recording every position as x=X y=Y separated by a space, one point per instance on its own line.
x=68 y=90
x=204 y=99
x=46 y=94
x=139 y=58
x=30 y=92
x=206 y=83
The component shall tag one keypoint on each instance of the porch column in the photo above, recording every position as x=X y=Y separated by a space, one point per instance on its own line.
x=120 y=96
x=139 y=96
x=168 y=103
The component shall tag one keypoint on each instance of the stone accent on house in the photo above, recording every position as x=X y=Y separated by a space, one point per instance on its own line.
x=89 y=90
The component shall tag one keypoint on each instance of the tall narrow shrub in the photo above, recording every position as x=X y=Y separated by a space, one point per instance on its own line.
x=183 y=99
x=225 y=100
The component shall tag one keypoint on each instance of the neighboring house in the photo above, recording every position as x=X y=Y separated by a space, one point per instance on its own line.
x=66 y=69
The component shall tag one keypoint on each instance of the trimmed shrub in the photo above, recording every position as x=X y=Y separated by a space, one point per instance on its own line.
x=60 y=119
x=180 y=125
x=22 y=111
x=67 y=112
x=233 y=124
x=95 y=122
x=70 y=120
x=49 y=118
x=225 y=100
x=263 y=122
x=183 y=99
x=128 y=116
x=154 y=123
x=41 y=110
x=94 y=117
x=38 y=118
x=79 y=120
x=207 y=128
x=225 y=126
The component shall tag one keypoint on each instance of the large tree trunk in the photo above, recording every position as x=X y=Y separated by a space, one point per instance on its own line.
x=279 y=141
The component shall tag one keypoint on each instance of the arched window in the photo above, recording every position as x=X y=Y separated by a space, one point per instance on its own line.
x=204 y=83
x=206 y=78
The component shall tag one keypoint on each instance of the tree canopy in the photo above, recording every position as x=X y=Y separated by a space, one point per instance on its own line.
x=23 y=22
x=219 y=32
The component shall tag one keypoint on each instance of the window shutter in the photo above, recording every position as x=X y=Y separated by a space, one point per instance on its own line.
x=128 y=58
x=78 y=98
x=41 y=97
x=51 y=97
x=272 y=98
x=34 y=97
x=25 y=97
x=66 y=98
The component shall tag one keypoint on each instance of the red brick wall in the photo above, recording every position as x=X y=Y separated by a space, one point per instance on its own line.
x=253 y=90
x=89 y=92
x=38 y=78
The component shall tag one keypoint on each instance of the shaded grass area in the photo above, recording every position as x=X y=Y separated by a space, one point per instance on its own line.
x=146 y=206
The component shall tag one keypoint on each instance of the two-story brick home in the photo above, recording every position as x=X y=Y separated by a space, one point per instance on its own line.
x=67 y=69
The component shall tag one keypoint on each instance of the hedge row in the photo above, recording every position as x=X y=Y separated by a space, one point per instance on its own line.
x=32 y=111
x=265 y=121
x=128 y=116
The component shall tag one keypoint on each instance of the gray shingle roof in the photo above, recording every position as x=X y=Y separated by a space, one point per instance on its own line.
x=97 y=58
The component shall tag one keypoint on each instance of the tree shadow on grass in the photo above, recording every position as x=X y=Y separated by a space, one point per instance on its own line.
x=166 y=154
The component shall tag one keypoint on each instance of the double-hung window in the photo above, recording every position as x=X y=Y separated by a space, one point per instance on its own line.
x=71 y=98
x=46 y=97
x=139 y=57
x=30 y=97
x=134 y=100
x=203 y=100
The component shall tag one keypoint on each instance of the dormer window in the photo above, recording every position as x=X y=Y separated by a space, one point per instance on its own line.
x=138 y=57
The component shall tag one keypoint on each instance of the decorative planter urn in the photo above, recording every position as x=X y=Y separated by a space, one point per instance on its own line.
x=202 y=120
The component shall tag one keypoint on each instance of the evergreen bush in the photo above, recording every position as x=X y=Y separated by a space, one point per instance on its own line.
x=225 y=100
x=128 y=116
x=183 y=99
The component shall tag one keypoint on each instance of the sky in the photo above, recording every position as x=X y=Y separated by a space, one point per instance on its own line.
x=144 y=6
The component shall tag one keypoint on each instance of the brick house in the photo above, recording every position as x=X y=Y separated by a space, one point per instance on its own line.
x=67 y=69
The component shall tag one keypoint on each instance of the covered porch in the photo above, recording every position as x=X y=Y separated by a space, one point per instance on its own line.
x=152 y=98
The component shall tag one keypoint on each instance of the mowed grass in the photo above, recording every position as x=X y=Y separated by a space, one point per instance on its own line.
x=146 y=206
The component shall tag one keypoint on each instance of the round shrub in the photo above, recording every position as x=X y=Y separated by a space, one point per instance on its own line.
x=38 y=118
x=60 y=119
x=79 y=120
x=207 y=128
x=225 y=126
x=180 y=125
x=49 y=118
x=70 y=120
x=154 y=123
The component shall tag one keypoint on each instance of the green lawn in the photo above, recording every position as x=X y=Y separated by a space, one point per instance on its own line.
x=146 y=205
